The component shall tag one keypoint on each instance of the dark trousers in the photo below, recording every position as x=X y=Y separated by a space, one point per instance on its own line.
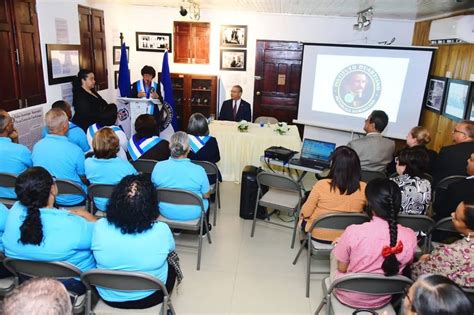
x=151 y=300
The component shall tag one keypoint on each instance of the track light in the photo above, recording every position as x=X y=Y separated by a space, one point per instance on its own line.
x=364 y=19
x=183 y=11
x=192 y=7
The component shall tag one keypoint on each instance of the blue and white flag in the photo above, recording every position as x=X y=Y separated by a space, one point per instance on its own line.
x=196 y=143
x=136 y=148
x=123 y=108
x=169 y=123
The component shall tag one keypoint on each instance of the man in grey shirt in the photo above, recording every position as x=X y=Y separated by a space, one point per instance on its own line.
x=374 y=151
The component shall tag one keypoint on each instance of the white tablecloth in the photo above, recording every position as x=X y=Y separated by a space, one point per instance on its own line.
x=239 y=149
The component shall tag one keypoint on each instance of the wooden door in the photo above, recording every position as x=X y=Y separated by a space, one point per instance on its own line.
x=30 y=67
x=200 y=38
x=85 y=30
x=182 y=42
x=277 y=79
x=9 y=89
x=99 y=50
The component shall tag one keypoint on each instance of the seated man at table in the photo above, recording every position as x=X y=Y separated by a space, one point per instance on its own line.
x=235 y=109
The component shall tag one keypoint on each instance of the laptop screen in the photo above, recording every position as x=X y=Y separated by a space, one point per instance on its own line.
x=317 y=150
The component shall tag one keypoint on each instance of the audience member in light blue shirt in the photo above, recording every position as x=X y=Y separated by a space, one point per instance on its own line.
x=75 y=134
x=14 y=157
x=61 y=158
x=105 y=167
x=130 y=239
x=179 y=172
x=35 y=230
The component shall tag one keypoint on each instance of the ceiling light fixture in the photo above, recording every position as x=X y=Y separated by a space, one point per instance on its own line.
x=192 y=7
x=364 y=19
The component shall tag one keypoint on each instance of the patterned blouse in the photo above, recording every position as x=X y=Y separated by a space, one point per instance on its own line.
x=416 y=193
x=455 y=261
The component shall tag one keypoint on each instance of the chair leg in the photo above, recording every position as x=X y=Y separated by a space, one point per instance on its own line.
x=88 y=302
x=320 y=306
x=308 y=266
x=300 y=251
x=218 y=194
x=255 y=213
x=207 y=230
x=215 y=210
x=294 y=233
x=200 y=244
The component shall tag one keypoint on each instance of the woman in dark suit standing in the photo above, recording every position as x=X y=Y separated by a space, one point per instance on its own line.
x=89 y=106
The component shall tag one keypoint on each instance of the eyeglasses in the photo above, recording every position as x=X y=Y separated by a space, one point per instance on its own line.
x=458 y=131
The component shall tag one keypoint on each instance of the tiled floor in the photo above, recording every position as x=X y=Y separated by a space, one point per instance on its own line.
x=244 y=275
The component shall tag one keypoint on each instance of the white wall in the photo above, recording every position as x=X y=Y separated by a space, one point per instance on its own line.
x=129 y=19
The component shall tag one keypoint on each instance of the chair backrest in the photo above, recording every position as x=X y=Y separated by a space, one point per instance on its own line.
x=367 y=176
x=418 y=223
x=445 y=224
x=339 y=221
x=370 y=283
x=278 y=181
x=470 y=294
x=7 y=180
x=100 y=190
x=445 y=182
x=144 y=166
x=179 y=197
x=266 y=120
x=210 y=168
x=122 y=280
x=67 y=187
x=53 y=269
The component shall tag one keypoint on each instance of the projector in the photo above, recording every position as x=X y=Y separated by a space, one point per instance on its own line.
x=279 y=153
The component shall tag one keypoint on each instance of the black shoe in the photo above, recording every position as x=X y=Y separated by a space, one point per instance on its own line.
x=204 y=232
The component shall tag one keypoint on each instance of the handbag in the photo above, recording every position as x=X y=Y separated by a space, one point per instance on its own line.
x=173 y=260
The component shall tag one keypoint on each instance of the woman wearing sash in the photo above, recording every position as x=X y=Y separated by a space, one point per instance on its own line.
x=89 y=106
x=149 y=89
x=145 y=143
x=203 y=146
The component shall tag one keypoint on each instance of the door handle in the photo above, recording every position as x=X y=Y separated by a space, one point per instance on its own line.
x=258 y=77
x=258 y=93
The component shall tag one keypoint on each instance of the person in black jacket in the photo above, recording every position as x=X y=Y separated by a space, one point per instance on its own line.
x=235 y=109
x=452 y=159
x=89 y=106
x=203 y=147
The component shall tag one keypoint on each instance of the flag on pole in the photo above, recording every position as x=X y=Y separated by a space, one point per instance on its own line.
x=124 y=74
x=170 y=122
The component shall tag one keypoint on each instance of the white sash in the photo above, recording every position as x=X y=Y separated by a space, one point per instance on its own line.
x=136 y=148
x=196 y=143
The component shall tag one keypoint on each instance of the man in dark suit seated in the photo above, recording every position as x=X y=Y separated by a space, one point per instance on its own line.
x=452 y=159
x=235 y=109
x=447 y=202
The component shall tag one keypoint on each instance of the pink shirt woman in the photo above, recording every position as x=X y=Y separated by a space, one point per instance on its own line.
x=380 y=246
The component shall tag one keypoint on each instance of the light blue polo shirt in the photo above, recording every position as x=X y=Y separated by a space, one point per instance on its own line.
x=14 y=159
x=107 y=171
x=144 y=252
x=3 y=221
x=63 y=160
x=181 y=174
x=75 y=134
x=66 y=237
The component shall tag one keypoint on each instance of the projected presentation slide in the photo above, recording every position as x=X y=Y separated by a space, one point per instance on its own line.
x=353 y=85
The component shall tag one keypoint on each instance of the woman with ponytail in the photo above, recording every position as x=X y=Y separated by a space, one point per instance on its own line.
x=380 y=246
x=36 y=230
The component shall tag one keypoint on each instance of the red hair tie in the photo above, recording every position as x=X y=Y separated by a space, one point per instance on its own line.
x=387 y=250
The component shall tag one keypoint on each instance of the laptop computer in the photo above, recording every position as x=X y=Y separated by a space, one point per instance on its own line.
x=315 y=154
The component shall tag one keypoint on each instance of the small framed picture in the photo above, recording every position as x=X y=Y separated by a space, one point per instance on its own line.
x=62 y=62
x=116 y=77
x=233 y=59
x=234 y=36
x=470 y=105
x=117 y=50
x=436 y=93
x=157 y=42
x=457 y=96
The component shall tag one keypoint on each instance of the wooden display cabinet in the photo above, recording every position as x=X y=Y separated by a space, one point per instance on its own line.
x=193 y=94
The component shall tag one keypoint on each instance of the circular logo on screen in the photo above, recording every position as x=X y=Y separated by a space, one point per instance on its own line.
x=166 y=114
x=357 y=88
x=123 y=114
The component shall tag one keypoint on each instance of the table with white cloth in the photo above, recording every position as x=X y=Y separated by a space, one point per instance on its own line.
x=238 y=149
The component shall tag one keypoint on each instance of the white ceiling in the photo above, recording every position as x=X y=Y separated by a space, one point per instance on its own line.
x=387 y=9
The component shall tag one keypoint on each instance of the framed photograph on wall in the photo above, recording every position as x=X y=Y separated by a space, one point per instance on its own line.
x=233 y=59
x=233 y=36
x=470 y=105
x=456 y=99
x=117 y=50
x=157 y=42
x=436 y=93
x=63 y=62
x=116 y=75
